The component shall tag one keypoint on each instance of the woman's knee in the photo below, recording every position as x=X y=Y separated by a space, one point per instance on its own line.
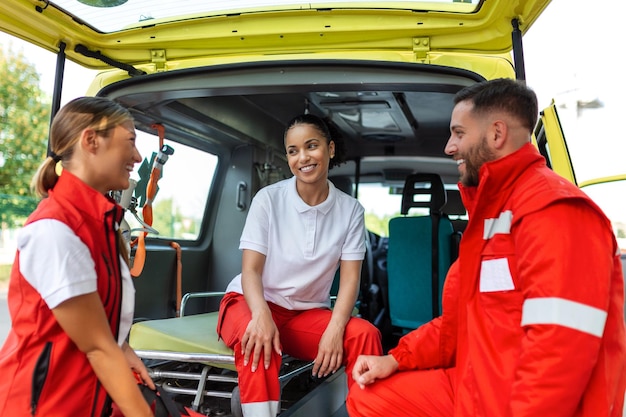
x=364 y=335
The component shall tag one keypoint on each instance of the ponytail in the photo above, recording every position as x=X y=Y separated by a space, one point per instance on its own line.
x=45 y=178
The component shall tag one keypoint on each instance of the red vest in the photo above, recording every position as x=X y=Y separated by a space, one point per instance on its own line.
x=43 y=372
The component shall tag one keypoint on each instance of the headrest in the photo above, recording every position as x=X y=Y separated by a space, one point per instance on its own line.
x=419 y=184
x=454 y=206
x=342 y=183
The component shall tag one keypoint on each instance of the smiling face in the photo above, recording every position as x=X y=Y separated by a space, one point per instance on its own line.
x=117 y=156
x=468 y=143
x=308 y=153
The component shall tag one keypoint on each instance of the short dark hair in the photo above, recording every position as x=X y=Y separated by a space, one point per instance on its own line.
x=511 y=96
x=327 y=131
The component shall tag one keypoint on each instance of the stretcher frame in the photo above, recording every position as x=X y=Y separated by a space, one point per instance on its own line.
x=216 y=355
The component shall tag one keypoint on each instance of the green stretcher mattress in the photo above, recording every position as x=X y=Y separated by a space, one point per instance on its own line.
x=189 y=334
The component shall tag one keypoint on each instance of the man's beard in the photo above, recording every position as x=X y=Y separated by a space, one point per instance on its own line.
x=474 y=159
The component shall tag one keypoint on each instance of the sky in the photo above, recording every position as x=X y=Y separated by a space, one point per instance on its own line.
x=571 y=54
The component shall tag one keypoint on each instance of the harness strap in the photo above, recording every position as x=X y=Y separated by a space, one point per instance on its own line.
x=151 y=189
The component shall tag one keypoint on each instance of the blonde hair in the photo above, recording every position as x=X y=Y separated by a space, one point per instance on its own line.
x=98 y=113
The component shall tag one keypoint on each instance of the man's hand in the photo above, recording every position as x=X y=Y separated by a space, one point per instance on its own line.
x=368 y=369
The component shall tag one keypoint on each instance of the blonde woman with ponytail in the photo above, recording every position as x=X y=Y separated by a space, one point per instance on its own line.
x=71 y=298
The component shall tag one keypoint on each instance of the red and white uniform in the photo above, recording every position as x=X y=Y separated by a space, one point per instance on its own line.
x=67 y=248
x=533 y=320
x=303 y=246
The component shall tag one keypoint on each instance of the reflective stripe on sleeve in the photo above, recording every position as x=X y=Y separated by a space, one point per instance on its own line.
x=552 y=310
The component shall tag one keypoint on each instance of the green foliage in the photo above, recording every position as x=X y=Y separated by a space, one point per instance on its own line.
x=163 y=217
x=5 y=272
x=170 y=222
x=24 y=122
x=379 y=225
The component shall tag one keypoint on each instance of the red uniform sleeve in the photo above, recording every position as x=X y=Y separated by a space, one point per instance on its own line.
x=433 y=344
x=565 y=262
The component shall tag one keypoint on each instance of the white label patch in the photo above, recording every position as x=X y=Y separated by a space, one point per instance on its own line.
x=495 y=275
x=500 y=225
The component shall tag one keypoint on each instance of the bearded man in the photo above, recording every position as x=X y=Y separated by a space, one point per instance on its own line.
x=533 y=308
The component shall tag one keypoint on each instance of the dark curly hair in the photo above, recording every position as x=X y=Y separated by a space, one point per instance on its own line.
x=327 y=130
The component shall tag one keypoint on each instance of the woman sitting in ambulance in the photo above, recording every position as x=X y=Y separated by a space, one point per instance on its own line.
x=298 y=231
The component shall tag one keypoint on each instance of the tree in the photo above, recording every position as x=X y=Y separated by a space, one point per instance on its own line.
x=24 y=123
x=163 y=215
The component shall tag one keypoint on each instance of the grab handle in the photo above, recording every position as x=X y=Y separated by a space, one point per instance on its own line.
x=241 y=195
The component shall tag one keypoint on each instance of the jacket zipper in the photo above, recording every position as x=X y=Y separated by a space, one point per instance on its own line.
x=40 y=374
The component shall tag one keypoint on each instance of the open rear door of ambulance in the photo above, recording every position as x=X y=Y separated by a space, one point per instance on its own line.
x=550 y=140
x=606 y=191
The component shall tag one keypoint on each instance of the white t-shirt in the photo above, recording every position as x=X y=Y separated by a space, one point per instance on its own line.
x=59 y=266
x=303 y=244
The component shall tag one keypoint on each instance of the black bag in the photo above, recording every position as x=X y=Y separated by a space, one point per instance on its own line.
x=162 y=404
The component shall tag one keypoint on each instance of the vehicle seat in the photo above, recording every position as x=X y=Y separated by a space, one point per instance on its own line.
x=419 y=254
x=455 y=210
x=343 y=183
x=366 y=305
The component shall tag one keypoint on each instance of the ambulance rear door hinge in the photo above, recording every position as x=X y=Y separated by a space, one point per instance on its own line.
x=421 y=48
x=158 y=59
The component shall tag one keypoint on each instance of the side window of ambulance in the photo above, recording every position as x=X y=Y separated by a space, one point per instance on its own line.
x=606 y=195
x=183 y=189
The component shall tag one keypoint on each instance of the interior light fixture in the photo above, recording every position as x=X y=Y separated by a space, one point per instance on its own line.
x=103 y=3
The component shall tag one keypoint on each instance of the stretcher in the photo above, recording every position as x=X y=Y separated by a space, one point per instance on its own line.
x=185 y=357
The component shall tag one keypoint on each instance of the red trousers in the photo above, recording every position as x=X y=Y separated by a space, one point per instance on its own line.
x=427 y=393
x=300 y=334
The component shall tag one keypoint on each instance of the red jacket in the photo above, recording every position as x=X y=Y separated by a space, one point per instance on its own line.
x=43 y=372
x=533 y=314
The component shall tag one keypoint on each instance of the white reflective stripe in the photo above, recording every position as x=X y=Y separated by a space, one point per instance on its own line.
x=500 y=225
x=260 y=409
x=552 y=310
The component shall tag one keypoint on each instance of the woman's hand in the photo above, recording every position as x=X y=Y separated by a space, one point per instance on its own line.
x=330 y=352
x=85 y=322
x=260 y=335
x=137 y=365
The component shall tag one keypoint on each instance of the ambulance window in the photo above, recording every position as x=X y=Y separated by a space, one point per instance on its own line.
x=183 y=189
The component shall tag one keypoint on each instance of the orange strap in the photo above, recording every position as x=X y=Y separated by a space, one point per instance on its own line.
x=179 y=276
x=151 y=189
